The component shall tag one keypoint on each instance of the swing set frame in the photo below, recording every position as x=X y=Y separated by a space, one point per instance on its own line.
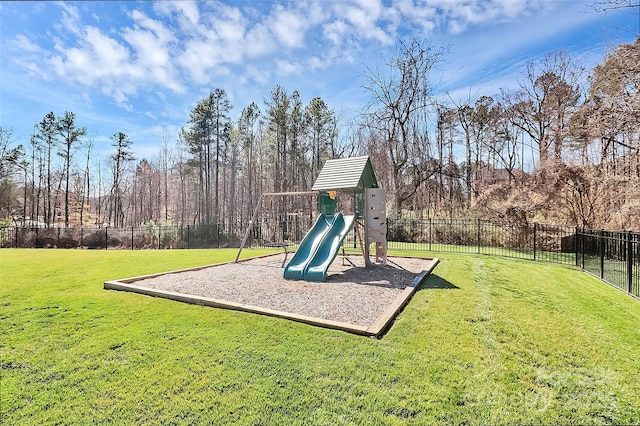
x=259 y=207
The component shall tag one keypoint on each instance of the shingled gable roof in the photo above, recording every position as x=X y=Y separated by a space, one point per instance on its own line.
x=354 y=173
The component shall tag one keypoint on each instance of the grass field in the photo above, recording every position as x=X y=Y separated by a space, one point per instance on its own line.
x=485 y=341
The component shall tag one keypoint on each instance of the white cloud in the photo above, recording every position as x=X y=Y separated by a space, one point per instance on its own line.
x=117 y=67
x=152 y=43
x=456 y=16
x=289 y=27
x=335 y=31
x=96 y=58
x=70 y=18
x=365 y=15
x=199 y=42
x=186 y=12
x=259 y=75
x=425 y=16
x=361 y=20
x=174 y=44
x=217 y=42
x=315 y=62
x=287 y=68
x=259 y=41
x=27 y=56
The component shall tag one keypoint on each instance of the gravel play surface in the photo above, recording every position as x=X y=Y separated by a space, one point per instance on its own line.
x=352 y=294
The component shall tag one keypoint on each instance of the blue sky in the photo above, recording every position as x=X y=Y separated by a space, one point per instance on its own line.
x=140 y=67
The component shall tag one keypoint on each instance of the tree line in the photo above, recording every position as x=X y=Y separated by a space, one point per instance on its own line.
x=564 y=139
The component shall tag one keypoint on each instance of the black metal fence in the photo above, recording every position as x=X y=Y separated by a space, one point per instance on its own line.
x=614 y=257
x=548 y=243
x=220 y=235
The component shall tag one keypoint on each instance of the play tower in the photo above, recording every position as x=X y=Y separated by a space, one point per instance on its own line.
x=348 y=197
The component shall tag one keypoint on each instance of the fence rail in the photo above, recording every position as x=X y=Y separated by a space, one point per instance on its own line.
x=613 y=257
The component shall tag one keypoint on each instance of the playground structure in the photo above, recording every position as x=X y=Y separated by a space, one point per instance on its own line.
x=351 y=300
x=354 y=179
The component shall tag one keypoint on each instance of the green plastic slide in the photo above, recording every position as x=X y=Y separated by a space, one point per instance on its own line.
x=295 y=267
x=319 y=248
x=327 y=250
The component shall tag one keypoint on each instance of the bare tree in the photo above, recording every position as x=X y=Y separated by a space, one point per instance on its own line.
x=164 y=159
x=277 y=117
x=9 y=154
x=46 y=133
x=297 y=149
x=185 y=173
x=247 y=129
x=11 y=160
x=611 y=115
x=609 y=5
x=208 y=132
x=480 y=121
x=398 y=113
x=36 y=160
x=543 y=105
x=86 y=196
x=606 y=6
x=220 y=107
x=71 y=136
x=119 y=160
x=321 y=122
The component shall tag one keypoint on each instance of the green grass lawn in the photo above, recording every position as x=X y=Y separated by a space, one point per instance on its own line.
x=486 y=340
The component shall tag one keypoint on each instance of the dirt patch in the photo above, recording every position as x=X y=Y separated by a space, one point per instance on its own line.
x=352 y=294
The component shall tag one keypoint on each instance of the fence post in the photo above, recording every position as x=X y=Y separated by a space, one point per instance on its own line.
x=576 y=245
x=188 y=238
x=132 y=238
x=16 y=237
x=535 y=240
x=106 y=237
x=81 y=237
x=583 y=246
x=602 y=254
x=159 y=229
x=430 y=234
x=355 y=235
x=630 y=262
x=218 y=233
x=479 y=235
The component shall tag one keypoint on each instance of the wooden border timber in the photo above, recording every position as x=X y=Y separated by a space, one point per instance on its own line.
x=376 y=329
x=385 y=320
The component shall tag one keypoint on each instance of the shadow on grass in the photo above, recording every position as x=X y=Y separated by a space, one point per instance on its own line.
x=434 y=282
